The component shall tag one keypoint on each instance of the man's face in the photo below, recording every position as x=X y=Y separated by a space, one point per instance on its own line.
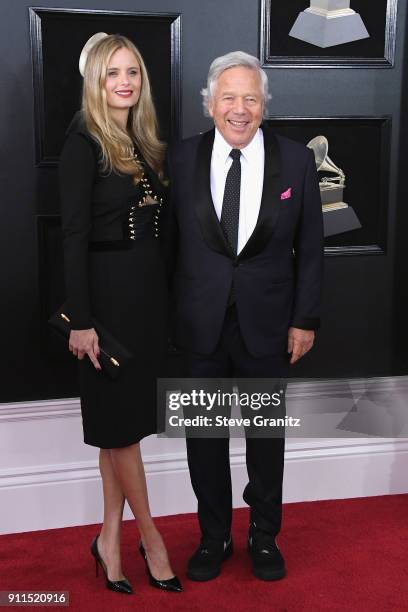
x=237 y=105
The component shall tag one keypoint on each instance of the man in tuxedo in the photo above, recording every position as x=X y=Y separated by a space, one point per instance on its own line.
x=247 y=284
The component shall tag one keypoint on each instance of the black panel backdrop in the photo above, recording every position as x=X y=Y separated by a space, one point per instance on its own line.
x=359 y=302
x=359 y=146
x=283 y=20
x=63 y=36
x=400 y=297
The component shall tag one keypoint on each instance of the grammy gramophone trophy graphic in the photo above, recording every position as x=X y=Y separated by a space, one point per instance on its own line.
x=327 y=23
x=338 y=216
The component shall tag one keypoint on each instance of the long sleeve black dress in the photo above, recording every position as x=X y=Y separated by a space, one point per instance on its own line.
x=114 y=272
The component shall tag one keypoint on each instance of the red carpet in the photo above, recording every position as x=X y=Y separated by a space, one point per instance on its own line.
x=340 y=555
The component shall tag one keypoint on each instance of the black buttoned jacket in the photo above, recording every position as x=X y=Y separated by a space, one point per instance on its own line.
x=96 y=211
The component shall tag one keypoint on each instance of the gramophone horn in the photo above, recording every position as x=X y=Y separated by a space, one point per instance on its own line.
x=320 y=148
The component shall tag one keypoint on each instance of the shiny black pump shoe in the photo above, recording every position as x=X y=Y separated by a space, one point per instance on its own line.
x=119 y=586
x=171 y=584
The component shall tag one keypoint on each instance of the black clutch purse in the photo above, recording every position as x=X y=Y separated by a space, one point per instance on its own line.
x=113 y=355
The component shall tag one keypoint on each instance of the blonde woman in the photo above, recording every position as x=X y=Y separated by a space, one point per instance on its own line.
x=112 y=191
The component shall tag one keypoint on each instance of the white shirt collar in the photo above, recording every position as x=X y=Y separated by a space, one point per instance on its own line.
x=222 y=149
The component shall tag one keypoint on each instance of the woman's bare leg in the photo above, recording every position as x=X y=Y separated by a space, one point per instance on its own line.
x=113 y=502
x=128 y=465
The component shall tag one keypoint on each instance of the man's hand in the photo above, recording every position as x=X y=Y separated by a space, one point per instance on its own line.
x=300 y=341
x=85 y=342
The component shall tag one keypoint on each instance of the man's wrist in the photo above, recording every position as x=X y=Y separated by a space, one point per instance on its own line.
x=306 y=323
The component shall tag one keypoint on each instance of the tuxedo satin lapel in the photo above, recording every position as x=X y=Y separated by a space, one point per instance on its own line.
x=210 y=225
x=270 y=202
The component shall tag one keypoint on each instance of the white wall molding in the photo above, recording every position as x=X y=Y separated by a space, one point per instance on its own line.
x=177 y=462
x=299 y=389
x=47 y=409
x=49 y=478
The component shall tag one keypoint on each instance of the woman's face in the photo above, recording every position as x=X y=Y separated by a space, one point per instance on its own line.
x=123 y=80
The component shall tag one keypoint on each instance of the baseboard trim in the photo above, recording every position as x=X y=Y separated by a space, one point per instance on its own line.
x=47 y=409
x=177 y=462
x=298 y=390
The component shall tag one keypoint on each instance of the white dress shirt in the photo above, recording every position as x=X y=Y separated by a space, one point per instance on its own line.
x=252 y=173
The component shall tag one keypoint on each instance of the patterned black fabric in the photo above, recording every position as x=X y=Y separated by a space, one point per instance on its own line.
x=230 y=202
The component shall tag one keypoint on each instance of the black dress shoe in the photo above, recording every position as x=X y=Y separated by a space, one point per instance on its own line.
x=171 y=584
x=206 y=562
x=267 y=560
x=119 y=586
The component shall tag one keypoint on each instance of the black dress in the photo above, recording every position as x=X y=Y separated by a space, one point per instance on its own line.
x=115 y=273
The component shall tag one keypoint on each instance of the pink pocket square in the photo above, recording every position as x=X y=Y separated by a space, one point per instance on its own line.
x=286 y=194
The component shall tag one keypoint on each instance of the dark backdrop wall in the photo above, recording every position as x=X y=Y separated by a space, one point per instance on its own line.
x=400 y=297
x=363 y=295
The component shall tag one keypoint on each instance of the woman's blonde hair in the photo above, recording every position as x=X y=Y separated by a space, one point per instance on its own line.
x=115 y=142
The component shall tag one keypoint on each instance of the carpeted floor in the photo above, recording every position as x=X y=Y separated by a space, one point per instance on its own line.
x=341 y=555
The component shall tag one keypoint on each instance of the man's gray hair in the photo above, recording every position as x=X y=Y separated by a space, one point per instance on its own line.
x=231 y=60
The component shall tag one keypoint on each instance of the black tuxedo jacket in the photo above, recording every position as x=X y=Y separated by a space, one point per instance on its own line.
x=277 y=276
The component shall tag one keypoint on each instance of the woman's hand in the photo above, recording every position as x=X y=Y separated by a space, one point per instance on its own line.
x=85 y=342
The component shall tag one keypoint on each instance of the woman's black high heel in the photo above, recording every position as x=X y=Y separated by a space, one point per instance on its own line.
x=171 y=584
x=120 y=586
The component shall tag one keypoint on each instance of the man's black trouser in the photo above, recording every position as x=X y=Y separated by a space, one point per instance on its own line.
x=208 y=458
